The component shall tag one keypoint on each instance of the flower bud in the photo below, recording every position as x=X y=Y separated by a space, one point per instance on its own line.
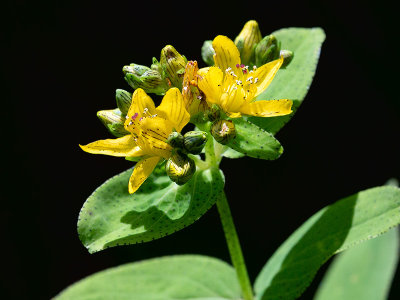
x=114 y=121
x=287 y=57
x=223 y=131
x=195 y=102
x=143 y=77
x=194 y=141
x=124 y=100
x=267 y=50
x=180 y=168
x=247 y=40
x=207 y=53
x=175 y=139
x=173 y=65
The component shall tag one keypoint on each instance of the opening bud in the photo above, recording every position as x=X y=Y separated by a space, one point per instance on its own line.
x=143 y=77
x=114 y=121
x=207 y=53
x=287 y=57
x=223 y=131
x=175 y=139
x=173 y=65
x=180 y=168
x=194 y=141
x=247 y=40
x=267 y=50
x=124 y=100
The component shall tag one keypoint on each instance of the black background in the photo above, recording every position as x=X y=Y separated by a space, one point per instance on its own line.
x=63 y=62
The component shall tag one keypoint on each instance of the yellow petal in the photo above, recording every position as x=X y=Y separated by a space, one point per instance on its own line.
x=210 y=84
x=226 y=53
x=172 y=107
x=141 y=171
x=233 y=99
x=153 y=136
x=265 y=74
x=124 y=146
x=268 y=108
x=203 y=71
x=140 y=103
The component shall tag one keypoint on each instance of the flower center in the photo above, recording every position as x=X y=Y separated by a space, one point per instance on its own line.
x=240 y=77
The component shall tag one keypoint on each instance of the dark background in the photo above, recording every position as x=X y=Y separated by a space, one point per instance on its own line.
x=63 y=62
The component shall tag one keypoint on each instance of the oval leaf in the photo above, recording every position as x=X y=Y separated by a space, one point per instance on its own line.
x=335 y=228
x=293 y=82
x=253 y=141
x=363 y=272
x=168 y=278
x=111 y=216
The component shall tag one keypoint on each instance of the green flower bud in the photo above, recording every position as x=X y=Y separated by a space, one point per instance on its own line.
x=207 y=53
x=175 y=139
x=247 y=40
x=223 y=131
x=124 y=100
x=180 y=168
x=194 y=141
x=287 y=57
x=143 y=77
x=267 y=50
x=173 y=65
x=114 y=121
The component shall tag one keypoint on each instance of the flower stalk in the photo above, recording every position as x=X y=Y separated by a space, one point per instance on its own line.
x=235 y=250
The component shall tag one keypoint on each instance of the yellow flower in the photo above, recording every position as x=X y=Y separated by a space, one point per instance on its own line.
x=149 y=128
x=233 y=87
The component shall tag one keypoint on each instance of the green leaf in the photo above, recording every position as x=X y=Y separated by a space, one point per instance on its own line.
x=364 y=272
x=293 y=82
x=253 y=141
x=111 y=216
x=335 y=228
x=185 y=277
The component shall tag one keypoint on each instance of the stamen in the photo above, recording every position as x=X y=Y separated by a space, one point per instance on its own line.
x=233 y=74
x=238 y=82
x=242 y=66
x=254 y=67
x=228 y=70
x=237 y=66
x=135 y=116
x=256 y=80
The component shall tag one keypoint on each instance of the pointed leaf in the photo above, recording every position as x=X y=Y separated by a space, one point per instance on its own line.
x=181 y=277
x=363 y=272
x=253 y=141
x=293 y=82
x=111 y=216
x=335 y=228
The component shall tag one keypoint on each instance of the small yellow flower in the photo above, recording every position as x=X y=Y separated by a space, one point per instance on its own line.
x=234 y=87
x=149 y=128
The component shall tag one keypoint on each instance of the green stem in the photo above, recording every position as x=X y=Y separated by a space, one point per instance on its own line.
x=234 y=246
x=213 y=158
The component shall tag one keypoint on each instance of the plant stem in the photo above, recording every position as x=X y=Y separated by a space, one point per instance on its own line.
x=234 y=246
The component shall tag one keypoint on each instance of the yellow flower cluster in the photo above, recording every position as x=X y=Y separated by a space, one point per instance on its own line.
x=230 y=85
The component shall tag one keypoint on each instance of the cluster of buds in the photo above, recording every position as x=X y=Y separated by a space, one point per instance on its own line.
x=254 y=49
x=114 y=119
x=180 y=167
x=161 y=76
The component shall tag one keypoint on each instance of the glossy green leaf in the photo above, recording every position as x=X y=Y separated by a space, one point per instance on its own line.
x=253 y=141
x=293 y=82
x=363 y=272
x=230 y=153
x=185 y=277
x=111 y=216
x=335 y=228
